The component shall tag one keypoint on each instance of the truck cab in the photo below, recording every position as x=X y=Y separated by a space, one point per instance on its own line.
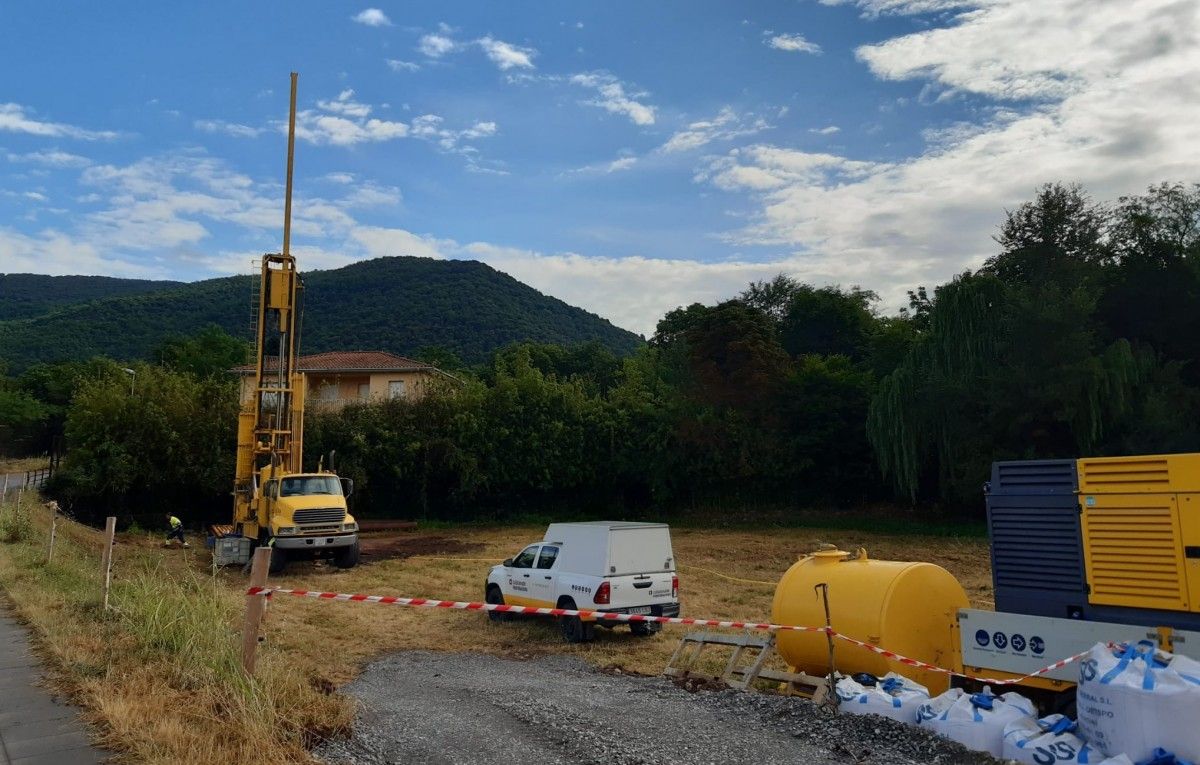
x=607 y=566
x=304 y=516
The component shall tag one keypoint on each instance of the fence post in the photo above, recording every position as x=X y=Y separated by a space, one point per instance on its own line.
x=255 y=605
x=53 y=531
x=110 y=533
x=4 y=493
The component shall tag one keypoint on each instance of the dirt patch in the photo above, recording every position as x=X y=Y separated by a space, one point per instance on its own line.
x=390 y=547
x=697 y=683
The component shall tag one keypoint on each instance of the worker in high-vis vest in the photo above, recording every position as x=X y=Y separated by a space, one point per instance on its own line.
x=176 y=531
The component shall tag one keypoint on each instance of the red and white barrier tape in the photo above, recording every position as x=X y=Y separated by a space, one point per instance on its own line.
x=610 y=616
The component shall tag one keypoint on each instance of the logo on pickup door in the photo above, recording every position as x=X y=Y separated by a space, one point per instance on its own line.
x=581 y=588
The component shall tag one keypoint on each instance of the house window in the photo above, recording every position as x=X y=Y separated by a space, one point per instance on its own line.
x=327 y=393
x=395 y=389
x=364 y=391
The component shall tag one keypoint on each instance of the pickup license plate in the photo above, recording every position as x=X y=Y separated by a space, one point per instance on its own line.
x=318 y=542
x=640 y=610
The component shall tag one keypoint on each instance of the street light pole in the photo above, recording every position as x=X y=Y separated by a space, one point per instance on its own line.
x=132 y=376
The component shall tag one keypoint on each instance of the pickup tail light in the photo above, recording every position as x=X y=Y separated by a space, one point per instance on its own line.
x=674 y=587
x=603 y=594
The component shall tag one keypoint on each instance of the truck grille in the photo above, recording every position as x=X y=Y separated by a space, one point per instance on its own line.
x=319 y=515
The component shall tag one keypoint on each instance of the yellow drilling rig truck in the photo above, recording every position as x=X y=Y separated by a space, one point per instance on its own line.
x=275 y=503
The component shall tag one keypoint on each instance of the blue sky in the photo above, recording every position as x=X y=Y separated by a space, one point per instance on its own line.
x=627 y=157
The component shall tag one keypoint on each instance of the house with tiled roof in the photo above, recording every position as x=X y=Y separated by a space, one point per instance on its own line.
x=337 y=378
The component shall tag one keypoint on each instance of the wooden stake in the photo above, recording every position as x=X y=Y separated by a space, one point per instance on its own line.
x=110 y=539
x=255 y=605
x=53 y=531
x=4 y=493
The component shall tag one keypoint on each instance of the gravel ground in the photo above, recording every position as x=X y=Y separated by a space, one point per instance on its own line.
x=422 y=707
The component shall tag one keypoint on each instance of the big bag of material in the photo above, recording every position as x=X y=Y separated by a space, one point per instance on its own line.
x=977 y=721
x=1049 y=740
x=1133 y=699
x=892 y=695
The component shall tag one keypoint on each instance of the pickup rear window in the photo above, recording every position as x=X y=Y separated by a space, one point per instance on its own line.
x=548 y=556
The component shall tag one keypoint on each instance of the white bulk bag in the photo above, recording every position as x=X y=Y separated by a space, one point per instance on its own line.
x=1049 y=740
x=933 y=708
x=893 y=696
x=977 y=721
x=1133 y=699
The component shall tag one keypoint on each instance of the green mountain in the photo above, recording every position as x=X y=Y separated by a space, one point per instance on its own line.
x=398 y=304
x=24 y=296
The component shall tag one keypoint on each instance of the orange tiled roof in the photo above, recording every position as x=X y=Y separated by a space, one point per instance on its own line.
x=350 y=361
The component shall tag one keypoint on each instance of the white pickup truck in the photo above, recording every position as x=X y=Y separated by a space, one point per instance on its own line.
x=598 y=566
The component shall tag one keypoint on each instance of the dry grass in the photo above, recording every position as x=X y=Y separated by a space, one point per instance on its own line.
x=351 y=633
x=21 y=464
x=171 y=646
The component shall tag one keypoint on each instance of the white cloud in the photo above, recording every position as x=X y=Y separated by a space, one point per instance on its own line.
x=51 y=159
x=15 y=118
x=436 y=46
x=36 y=196
x=343 y=122
x=614 y=98
x=397 y=65
x=373 y=17
x=827 y=130
x=59 y=254
x=506 y=55
x=1109 y=111
x=382 y=242
x=632 y=292
x=794 y=43
x=726 y=126
x=873 y=8
x=230 y=128
x=343 y=178
x=345 y=105
x=624 y=162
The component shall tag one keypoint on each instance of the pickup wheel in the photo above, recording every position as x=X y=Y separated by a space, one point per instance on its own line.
x=645 y=629
x=347 y=557
x=574 y=629
x=495 y=597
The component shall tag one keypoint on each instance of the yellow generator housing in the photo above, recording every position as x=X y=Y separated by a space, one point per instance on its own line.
x=908 y=608
x=1140 y=523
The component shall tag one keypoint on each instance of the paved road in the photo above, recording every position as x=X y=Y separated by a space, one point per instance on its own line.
x=35 y=728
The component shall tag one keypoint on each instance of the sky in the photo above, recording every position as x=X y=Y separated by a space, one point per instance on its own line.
x=626 y=157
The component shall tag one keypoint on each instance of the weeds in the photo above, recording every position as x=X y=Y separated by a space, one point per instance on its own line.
x=160 y=672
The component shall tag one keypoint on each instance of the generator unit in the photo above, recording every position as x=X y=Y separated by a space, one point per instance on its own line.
x=1096 y=549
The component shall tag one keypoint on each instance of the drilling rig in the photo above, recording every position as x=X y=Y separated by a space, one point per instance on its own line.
x=275 y=503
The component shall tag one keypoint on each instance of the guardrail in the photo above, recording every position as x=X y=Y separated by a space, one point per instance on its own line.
x=38 y=478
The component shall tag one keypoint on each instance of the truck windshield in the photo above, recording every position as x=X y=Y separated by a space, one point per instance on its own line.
x=306 y=485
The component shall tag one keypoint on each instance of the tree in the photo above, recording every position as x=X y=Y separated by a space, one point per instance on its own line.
x=828 y=321
x=211 y=351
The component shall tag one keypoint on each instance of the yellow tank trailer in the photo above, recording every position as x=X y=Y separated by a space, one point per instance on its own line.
x=908 y=608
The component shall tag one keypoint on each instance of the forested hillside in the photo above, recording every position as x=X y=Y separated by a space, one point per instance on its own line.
x=24 y=296
x=397 y=304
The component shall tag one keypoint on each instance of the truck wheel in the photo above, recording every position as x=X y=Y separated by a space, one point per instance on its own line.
x=496 y=598
x=645 y=629
x=278 y=561
x=347 y=557
x=574 y=629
